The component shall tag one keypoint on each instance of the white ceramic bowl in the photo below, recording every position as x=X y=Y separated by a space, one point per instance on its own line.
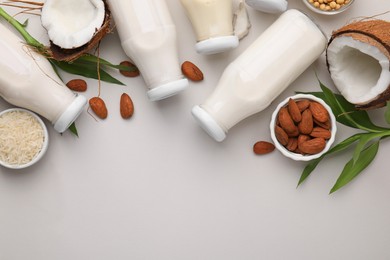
x=331 y=12
x=297 y=156
x=45 y=144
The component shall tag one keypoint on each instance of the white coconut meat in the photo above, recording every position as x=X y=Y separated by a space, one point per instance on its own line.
x=360 y=71
x=241 y=21
x=72 y=23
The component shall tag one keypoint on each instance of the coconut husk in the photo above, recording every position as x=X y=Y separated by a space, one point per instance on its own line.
x=375 y=33
x=69 y=55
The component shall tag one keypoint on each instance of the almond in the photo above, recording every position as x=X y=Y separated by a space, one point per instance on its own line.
x=134 y=70
x=319 y=112
x=306 y=124
x=321 y=132
x=191 y=71
x=312 y=146
x=281 y=135
x=294 y=111
x=286 y=121
x=303 y=104
x=98 y=107
x=292 y=144
x=126 y=106
x=263 y=147
x=295 y=133
x=79 y=85
x=303 y=138
x=326 y=125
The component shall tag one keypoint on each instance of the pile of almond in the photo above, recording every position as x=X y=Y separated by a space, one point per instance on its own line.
x=303 y=126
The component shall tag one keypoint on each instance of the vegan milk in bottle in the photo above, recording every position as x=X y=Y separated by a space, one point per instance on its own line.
x=212 y=21
x=148 y=37
x=266 y=68
x=28 y=80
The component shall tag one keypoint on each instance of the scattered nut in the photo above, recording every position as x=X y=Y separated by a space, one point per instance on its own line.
x=263 y=147
x=191 y=71
x=98 y=107
x=126 y=106
x=79 y=85
x=134 y=73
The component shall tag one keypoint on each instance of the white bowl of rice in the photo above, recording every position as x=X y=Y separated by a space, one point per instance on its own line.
x=23 y=138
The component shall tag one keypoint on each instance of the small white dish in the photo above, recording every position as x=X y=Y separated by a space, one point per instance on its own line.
x=43 y=148
x=325 y=12
x=298 y=156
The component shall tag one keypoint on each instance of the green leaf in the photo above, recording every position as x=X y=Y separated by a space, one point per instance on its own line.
x=339 y=147
x=86 y=70
x=25 y=23
x=351 y=169
x=89 y=58
x=387 y=112
x=72 y=128
x=346 y=112
x=21 y=29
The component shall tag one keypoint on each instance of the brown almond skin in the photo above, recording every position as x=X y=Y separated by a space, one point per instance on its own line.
x=306 y=124
x=321 y=132
x=312 y=146
x=263 y=147
x=294 y=111
x=98 y=107
x=303 y=138
x=303 y=104
x=286 y=121
x=295 y=133
x=126 y=106
x=191 y=71
x=292 y=144
x=319 y=112
x=131 y=74
x=281 y=135
x=326 y=125
x=79 y=85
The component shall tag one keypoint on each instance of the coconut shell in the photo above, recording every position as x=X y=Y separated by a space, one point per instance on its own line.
x=69 y=55
x=375 y=33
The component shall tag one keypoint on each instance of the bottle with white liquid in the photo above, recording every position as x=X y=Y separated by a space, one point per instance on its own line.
x=28 y=80
x=212 y=21
x=148 y=37
x=267 y=67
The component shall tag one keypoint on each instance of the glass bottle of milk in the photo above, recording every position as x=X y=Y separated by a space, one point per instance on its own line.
x=212 y=21
x=266 y=68
x=28 y=80
x=148 y=37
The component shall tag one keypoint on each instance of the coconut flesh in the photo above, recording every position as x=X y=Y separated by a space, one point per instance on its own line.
x=241 y=22
x=358 y=61
x=74 y=26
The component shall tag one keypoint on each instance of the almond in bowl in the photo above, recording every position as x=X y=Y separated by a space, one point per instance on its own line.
x=303 y=127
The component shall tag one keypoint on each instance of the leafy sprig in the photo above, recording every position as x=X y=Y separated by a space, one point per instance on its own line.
x=366 y=142
x=88 y=65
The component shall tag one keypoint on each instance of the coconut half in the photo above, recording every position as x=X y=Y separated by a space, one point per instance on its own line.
x=74 y=26
x=358 y=59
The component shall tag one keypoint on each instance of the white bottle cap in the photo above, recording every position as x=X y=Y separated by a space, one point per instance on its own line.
x=167 y=90
x=268 y=6
x=70 y=114
x=208 y=123
x=217 y=44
